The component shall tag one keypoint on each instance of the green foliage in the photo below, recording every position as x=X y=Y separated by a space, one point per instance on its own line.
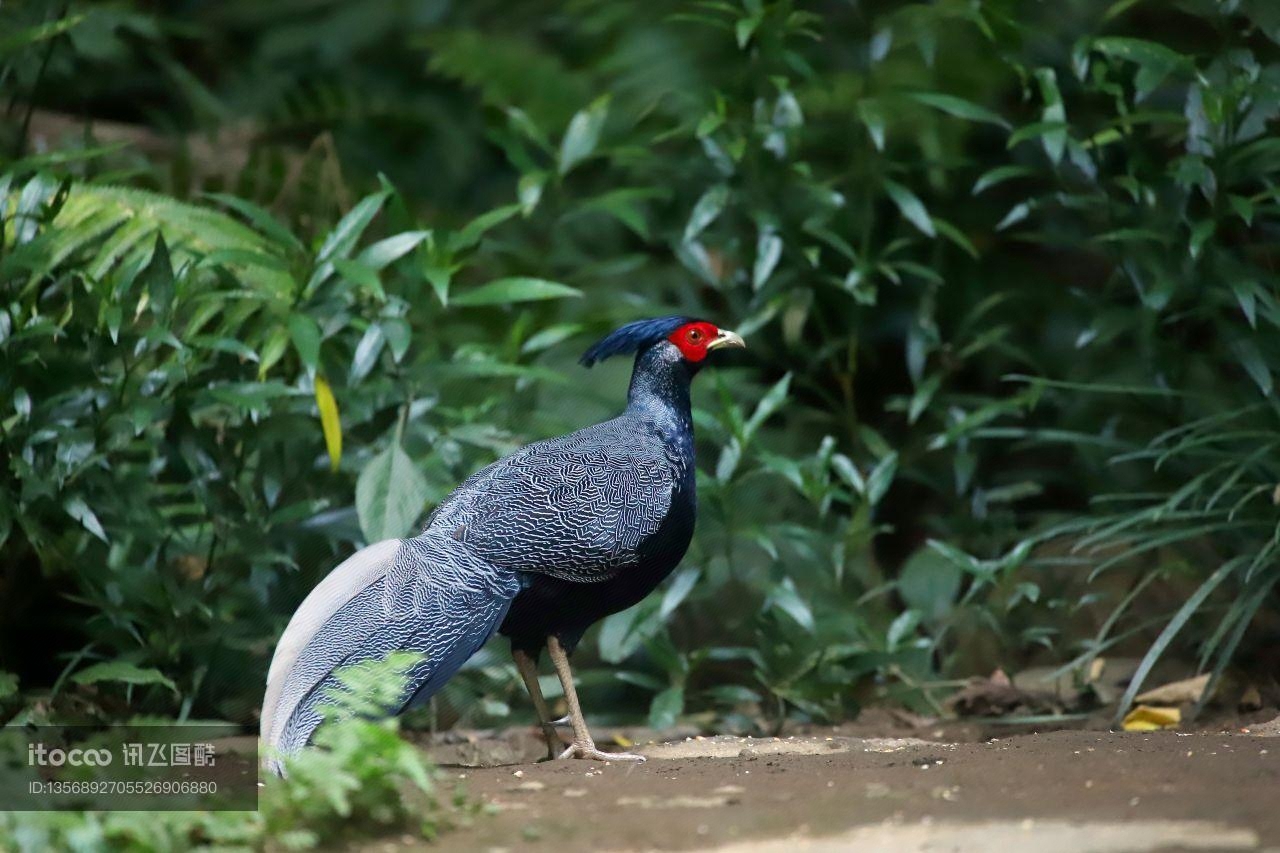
x=360 y=778
x=360 y=775
x=1006 y=273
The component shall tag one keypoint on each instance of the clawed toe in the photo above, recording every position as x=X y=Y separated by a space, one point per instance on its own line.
x=590 y=752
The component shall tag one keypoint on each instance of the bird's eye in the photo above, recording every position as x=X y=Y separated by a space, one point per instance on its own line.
x=694 y=336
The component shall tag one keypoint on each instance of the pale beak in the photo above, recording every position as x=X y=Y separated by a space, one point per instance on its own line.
x=726 y=338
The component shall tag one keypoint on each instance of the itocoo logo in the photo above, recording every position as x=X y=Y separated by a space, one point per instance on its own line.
x=40 y=755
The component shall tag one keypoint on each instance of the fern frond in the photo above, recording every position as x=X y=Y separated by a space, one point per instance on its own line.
x=104 y=227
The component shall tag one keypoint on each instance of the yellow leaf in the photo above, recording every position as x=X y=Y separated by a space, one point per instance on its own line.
x=1177 y=693
x=622 y=740
x=1149 y=718
x=329 y=421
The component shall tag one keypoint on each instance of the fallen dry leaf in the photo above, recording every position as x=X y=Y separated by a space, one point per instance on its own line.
x=1150 y=718
x=997 y=696
x=1182 y=692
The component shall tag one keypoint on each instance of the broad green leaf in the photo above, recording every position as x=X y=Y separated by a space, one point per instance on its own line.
x=911 y=207
x=549 y=337
x=399 y=336
x=390 y=249
x=360 y=275
x=254 y=396
x=955 y=235
x=471 y=233
x=1053 y=113
x=1243 y=208
x=902 y=628
x=329 y=421
x=772 y=401
x=873 y=119
x=922 y=397
x=847 y=471
x=786 y=598
x=14 y=41
x=929 y=583
x=80 y=511
x=958 y=107
x=730 y=456
x=439 y=278
x=529 y=191
x=1140 y=51
x=305 y=335
x=679 y=588
x=1000 y=174
x=157 y=279
x=505 y=291
x=966 y=562
x=344 y=236
x=583 y=135
x=706 y=211
x=1247 y=298
x=1155 y=61
x=881 y=477
x=124 y=673
x=366 y=354
x=625 y=205
x=1255 y=365
x=390 y=495
x=1016 y=214
x=768 y=252
x=265 y=222
x=665 y=708
x=272 y=351
x=618 y=638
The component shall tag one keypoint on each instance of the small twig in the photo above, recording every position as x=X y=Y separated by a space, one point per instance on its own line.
x=20 y=144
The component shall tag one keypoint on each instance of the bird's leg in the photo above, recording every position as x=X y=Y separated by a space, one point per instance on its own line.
x=529 y=672
x=583 y=746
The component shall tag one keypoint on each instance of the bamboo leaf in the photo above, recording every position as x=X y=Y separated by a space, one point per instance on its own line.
x=958 y=107
x=516 y=289
x=910 y=206
x=583 y=134
x=329 y=421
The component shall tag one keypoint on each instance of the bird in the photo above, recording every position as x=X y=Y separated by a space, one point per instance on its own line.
x=537 y=547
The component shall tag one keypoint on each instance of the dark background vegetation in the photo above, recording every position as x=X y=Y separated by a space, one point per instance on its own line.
x=1007 y=272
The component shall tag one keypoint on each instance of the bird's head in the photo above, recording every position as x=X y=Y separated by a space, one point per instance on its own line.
x=680 y=339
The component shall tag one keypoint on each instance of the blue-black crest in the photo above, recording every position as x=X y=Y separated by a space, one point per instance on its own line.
x=632 y=337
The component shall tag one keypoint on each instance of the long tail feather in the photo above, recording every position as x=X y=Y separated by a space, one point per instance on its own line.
x=429 y=594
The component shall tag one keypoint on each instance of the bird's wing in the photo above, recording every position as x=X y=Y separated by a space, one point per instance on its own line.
x=431 y=595
x=576 y=507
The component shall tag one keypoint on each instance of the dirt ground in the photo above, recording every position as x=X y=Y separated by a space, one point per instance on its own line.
x=870 y=788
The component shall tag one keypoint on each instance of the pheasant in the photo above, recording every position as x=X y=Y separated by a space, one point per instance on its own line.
x=538 y=546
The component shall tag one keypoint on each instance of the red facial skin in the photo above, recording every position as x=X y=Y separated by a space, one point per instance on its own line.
x=692 y=339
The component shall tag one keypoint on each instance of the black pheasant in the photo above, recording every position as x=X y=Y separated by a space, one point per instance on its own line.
x=538 y=546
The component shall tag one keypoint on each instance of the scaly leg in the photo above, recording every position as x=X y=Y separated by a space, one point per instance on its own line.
x=583 y=746
x=529 y=672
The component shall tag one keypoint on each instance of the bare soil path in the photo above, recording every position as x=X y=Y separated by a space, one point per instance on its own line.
x=1057 y=791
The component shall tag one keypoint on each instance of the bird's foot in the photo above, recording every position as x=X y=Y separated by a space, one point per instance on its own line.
x=554 y=744
x=588 y=751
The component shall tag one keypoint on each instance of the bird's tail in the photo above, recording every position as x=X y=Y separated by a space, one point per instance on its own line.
x=429 y=594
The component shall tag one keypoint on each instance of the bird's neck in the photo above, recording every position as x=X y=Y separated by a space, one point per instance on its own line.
x=659 y=394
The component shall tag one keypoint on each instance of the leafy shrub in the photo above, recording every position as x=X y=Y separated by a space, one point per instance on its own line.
x=1004 y=269
x=359 y=778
